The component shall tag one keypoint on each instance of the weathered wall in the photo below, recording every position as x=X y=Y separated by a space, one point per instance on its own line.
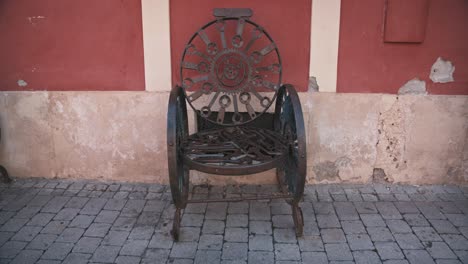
x=368 y=64
x=121 y=136
x=71 y=45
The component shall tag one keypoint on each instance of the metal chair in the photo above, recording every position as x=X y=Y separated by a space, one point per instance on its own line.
x=231 y=74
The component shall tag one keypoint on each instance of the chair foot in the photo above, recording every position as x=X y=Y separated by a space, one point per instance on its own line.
x=298 y=219
x=4 y=175
x=176 y=225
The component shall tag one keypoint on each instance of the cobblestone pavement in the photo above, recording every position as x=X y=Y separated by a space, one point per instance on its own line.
x=58 y=221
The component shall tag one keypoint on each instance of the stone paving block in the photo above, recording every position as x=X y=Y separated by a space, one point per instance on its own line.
x=184 y=250
x=398 y=226
x=323 y=208
x=216 y=211
x=259 y=257
x=464 y=231
x=87 y=245
x=310 y=243
x=366 y=257
x=259 y=211
x=11 y=248
x=236 y=234
x=408 y=241
x=287 y=252
x=380 y=234
x=40 y=219
x=360 y=242
x=141 y=233
x=97 y=230
x=237 y=220
x=66 y=214
x=147 y=219
x=155 y=255
x=127 y=260
x=207 y=256
x=115 y=204
x=192 y=220
x=458 y=220
x=365 y=208
x=134 y=247
x=346 y=211
x=27 y=233
x=189 y=234
x=71 y=235
x=418 y=257
x=5 y=236
x=439 y=250
x=314 y=257
x=55 y=227
x=456 y=242
x=121 y=195
x=372 y=220
x=444 y=227
x=338 y=251
x=55 y=204
x=28 y=212
x=387 y=210
x=463 y=255
x=260 y=243
x=123 y=224
x=328 y=221
x=388 y=250
x=260 y=227
x=333 y=235
x=106 y=216
x=196 y=208
x=213 y=227
x=93 y=206
x=82 y=221
x=5 y=216
x=283 y=221
x=280 y=208
x=426 y=233
x=27 y=256
x=154 y=206
x=416 y=220
x=57 y=251
x=105 y=254
x=369 y=197
x=13 y=225
x=284 y=235
x=406 y=207
x=42 y=241
x=447 y=207
x=353 y=227
x=429 y=211
x=133 y=208
x=76 y=202
x=115 y=238
x=77 y=258
x=210 y=242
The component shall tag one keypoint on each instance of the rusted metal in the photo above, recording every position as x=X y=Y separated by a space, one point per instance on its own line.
x=224 y=81
x=4 y=177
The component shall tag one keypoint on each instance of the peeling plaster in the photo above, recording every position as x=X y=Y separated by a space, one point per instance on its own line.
x=22 y=83
x=442 y=71
x=33 y=19
x=313 y=85
x=414 y=86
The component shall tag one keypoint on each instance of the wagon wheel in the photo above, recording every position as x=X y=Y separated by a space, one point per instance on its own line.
x=289 y=122
x=4 y=175
x=177 y=133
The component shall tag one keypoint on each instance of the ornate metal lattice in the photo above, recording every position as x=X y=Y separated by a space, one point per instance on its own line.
x=235 y=146
x=231 y=65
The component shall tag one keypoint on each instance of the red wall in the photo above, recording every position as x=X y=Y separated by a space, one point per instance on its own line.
x=288 y=23
x=71 y=45
x=367 y=64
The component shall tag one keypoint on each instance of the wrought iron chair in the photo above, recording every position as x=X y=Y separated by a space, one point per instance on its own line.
x=231 y=74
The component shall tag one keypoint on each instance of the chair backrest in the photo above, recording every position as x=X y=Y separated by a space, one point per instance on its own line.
x=231 y=66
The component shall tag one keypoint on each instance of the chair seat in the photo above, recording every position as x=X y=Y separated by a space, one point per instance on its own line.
x=235 y=150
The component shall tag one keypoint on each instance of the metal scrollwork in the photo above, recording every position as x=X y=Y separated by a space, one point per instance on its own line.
x=231 y=57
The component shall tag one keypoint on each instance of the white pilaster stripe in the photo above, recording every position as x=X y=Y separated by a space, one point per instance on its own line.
x=156 y=44
x=325 y=31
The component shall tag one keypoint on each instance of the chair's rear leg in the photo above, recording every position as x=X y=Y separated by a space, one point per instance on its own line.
x=298 y=218
x=176 y=225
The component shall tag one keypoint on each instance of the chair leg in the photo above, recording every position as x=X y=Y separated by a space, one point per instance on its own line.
x=176 y=225
x=298 y=218
x=4 y=178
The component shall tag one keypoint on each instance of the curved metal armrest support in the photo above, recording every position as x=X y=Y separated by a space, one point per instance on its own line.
x=173 y=109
